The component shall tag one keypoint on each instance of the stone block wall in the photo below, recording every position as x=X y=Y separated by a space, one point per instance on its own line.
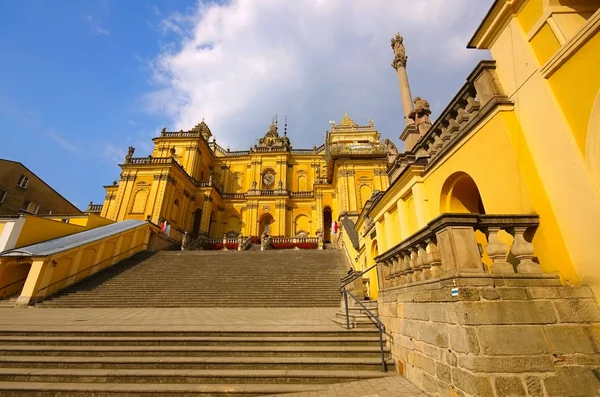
x=503 y=335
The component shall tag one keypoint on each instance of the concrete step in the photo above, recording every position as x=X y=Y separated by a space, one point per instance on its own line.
x=235 y=332
x=189 y=340
x=201 y=376
x=162 y=362
x=192 y=351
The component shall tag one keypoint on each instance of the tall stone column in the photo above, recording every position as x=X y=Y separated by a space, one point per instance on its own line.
x=410 y=135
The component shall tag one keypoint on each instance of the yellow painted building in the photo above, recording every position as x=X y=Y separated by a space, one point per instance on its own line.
x=198 y=187
x=521 y=137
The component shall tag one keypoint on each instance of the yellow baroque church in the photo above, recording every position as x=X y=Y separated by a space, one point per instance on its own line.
x=198 y=187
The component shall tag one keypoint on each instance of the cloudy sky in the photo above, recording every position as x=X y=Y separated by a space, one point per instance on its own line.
x=81 y=80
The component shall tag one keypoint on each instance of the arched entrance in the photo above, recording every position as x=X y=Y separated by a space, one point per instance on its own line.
x=460 y=194
x=196 y=224
x=327 y=219
x=265 y=224
x=211 y=224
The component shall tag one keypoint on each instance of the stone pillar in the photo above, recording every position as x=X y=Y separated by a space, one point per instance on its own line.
x=410 y=135
x=459 y=250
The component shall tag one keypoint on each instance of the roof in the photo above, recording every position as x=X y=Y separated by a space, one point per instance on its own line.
x=65 y=243
x=41 y=180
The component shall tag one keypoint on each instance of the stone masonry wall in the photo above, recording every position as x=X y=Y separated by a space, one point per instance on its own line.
x=501 y=336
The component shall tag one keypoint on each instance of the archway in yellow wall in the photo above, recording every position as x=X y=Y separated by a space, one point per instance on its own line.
x=302 y=183
x=327 y=220
x=211 y=223
x=265 y=224
x=302 y=225
x=365 y=193
x=233 y=226
x=592 y=144
x=197 y=221
x=461 y=195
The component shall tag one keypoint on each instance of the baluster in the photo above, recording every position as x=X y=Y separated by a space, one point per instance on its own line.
x=462 y=117
x=423 y=260
x=523 y=251
x=472 y=107
x=406 y=267
x=434 y=258
x=415 y=265
x=497 y=250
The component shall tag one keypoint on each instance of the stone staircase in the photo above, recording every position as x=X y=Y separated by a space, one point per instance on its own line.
x=211 y=363
x=277 y=278
x=9 y=302
x=358 y=317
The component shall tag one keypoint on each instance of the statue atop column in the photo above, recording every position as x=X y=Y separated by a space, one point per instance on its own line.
x=400 y=57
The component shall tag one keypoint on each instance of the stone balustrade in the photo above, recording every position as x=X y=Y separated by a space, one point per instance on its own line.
x=447 y=245
x=295 y=240
x=233 y=195
x=306 y=194
x=473 y=101
x=368 y=150
x=94 y=207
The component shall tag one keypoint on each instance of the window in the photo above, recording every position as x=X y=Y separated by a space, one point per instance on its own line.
x=23 y=181
x=2 y=196
x=26 y=205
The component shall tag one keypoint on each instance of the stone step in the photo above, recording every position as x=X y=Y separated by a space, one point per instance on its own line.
x=365 y=323
x=189 y=340
x=199 y=376
x=44 y=389
x=236 y=332
x=162 y=362
x=192 y=351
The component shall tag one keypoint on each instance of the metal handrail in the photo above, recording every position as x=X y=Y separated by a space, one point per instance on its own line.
x=355 y=277
x=89 y=267
x=380 y=326
x=14 y=282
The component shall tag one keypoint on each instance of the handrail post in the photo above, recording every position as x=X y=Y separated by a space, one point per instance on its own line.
x=347 y=314
x=383 y=363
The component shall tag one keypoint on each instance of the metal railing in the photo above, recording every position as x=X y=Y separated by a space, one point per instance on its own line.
x=89 y=267
x=380 y=326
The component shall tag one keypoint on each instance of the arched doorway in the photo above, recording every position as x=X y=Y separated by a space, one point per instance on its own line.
x=211 y=224
x=196 y=224
x=265 y=224
x=327 y=219
x=460 y=194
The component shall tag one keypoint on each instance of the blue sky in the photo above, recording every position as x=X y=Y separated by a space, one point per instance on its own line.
x=82 y=80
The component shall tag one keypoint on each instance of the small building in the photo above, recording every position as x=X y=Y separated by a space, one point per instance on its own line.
x=22 y=191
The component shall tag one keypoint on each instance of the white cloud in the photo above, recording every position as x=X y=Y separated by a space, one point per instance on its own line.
x=62 y=142
x=238 y=63
x=95 y=27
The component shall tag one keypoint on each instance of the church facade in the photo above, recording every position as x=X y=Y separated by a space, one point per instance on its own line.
x=196 y=186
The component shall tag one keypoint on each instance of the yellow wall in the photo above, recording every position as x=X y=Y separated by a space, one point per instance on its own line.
x=544 y=44
x=46 y=277
x=576 y=85
x=37 y=230
x=530 y=14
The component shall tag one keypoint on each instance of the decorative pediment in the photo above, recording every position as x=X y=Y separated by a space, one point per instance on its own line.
x=272 y=138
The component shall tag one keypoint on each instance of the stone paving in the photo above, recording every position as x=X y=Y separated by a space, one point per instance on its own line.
x=205 y=319
x=395 y=386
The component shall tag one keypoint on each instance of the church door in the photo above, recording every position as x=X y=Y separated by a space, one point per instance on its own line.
x=196 y=225
x=327 y=224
